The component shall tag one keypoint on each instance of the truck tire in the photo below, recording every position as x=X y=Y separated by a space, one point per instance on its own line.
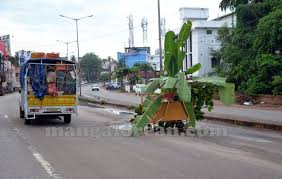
x=67 y=118
x=21 y=113
x=27 y=121
x=1 y=91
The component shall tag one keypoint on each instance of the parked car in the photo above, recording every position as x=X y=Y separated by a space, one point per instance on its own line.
x=139 y=89
x=106 y=84
x=112 y=85
x=95 y=87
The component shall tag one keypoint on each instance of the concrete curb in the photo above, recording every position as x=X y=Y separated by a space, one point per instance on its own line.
x=101 y=102
x=235 y=120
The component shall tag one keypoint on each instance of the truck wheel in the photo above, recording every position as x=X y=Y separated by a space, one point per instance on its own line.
x=1 y=91
x=67 y=119
x=21 y=113
x=27 y=121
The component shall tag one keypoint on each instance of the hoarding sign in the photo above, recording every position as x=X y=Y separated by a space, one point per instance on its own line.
x=2 y=49
x=6 y=40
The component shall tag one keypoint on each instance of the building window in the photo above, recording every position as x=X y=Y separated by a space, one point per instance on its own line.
x=209 y=31
x=214 y=62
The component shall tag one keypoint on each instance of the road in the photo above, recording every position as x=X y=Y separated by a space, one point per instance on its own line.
x=31 y=152
x=236 y=112
x=116 y=97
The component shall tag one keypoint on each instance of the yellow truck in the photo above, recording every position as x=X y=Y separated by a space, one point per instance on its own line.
x=48 y=88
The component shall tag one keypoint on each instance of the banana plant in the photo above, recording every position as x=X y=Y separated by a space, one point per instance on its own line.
x=175 y=87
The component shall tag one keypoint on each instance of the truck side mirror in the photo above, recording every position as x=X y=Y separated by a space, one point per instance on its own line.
x=20 y=91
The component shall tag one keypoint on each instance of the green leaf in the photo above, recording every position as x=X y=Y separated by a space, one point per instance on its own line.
x=226 y=90
x=180 y=58
x=169 y=50
x=227 y=94
x=190 y=112
x=170 y=83
x=183 y=89
x=152 y=109
x=152 y=86
x=173 y=67
x=147 y=101
x=218 y=81
x=194 y=68
x=184 y=34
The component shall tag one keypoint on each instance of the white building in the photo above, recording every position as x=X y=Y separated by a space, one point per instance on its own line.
x=154 y=61
x=203 y=38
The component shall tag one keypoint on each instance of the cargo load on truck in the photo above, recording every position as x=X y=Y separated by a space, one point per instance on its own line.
x=48 y=87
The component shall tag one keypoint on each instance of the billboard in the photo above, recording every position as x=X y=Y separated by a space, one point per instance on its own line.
x=2 y=49
x=6 y=40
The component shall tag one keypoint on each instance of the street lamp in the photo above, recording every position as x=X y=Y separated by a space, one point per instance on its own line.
x=67 y=43
x=77 y=42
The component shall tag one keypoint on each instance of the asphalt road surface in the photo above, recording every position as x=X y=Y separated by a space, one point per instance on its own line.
x=115 y=96
x=73 y=152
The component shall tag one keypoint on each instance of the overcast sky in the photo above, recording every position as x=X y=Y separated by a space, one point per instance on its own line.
x=36 y=25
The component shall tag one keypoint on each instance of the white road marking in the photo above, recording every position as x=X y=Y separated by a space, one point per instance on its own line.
x=44 y=163
x=38 y=157
x=251 y=139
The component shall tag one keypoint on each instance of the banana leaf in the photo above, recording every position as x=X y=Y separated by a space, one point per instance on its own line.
x=147 y=101
x=194 y=68
x=190 y=112
x=218 y=81
x=226 y=94
x=170 y=83
x=182 y=39
x=184 y=34
x=170 y=54
x=180 y=57
x=226 y=90
x=152 y=86
x=151 y=110
x=183 y=88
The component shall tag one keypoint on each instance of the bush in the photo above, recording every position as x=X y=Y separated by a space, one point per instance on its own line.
x=277 y=85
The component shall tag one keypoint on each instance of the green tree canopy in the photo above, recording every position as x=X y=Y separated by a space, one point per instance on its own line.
x=251 y=53
x=90 y=67
x=72 y=58
x=142 y=67
x=269 y=33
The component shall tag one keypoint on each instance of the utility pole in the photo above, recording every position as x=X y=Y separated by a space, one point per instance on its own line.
x=77 y=42
x=160 y=39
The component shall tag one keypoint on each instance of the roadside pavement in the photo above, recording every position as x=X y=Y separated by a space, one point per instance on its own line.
x=258 y=115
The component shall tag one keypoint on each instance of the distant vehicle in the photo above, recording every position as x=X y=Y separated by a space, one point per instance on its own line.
x=106 y=84
x=139 y=89
x=112 y=85
x=83 y=82
x=95 y=87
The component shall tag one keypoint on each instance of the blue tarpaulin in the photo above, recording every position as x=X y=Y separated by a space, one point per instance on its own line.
x=37 y=75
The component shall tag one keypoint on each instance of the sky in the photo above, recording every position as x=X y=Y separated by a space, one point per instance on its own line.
x=36 y=25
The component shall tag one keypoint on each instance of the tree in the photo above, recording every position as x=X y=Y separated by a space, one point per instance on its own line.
x=143 y=67
x=72 y=58
x=90 y=67
x=251 y=53
x=270 y=26
x=139 y=68
x=105 y=77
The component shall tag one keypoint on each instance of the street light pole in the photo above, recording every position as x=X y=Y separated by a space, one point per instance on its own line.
x=77 y=42
x=67 y=43
x=160 y=40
